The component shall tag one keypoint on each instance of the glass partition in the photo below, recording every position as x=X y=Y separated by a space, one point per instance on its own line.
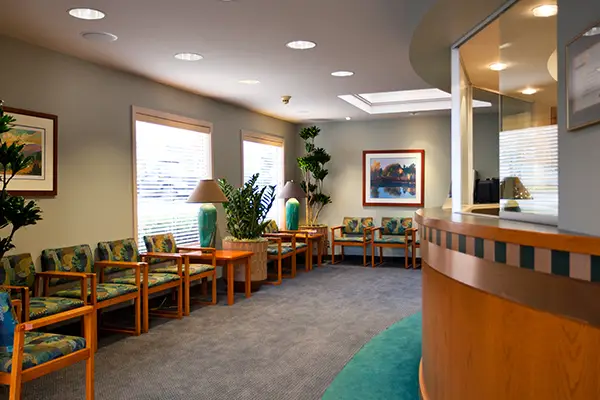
x=511 y=63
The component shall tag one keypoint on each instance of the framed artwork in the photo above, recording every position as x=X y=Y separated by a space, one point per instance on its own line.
x=394 y=178
x=39 y=133
x=583 y=79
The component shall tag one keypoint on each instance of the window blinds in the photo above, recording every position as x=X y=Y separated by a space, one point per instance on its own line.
x=170 y=160
x=264 y=155
x=532 y=155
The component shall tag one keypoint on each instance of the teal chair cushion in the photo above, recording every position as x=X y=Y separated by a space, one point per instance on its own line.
x=44 y=306
x=104 y=291
x=154 y=279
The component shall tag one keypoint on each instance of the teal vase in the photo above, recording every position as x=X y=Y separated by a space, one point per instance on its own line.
x=207 y=224
x=292 y=214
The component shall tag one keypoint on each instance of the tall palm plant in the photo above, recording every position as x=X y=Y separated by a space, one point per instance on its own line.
x=15 y=212
x=247 y=208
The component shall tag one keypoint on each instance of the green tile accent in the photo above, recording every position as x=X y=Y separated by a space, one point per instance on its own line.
x=462 y=243
x=560 y=263
x=448 y=240
x=438 y=237
x=500 y=252
x=479 y=247
x=527 y=257
x=595 y=266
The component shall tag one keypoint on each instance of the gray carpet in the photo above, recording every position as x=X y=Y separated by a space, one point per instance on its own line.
x=287 y=342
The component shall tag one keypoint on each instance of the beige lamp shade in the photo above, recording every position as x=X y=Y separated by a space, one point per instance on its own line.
x=292 y=190
x=207 y=191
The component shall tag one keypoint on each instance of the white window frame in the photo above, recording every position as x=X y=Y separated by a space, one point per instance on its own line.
x=275 y=140
x=168 y=119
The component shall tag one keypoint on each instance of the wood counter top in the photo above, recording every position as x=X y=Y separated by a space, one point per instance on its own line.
x=507 y=231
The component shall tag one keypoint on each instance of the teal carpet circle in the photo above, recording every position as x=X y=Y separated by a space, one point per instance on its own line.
x=387 y=367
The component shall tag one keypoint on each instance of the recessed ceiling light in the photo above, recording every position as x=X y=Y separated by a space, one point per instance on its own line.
x=498 y=66
x=546 y=10
x=342 y=73
x=593 y=32
x=529 y=91
x=249 y=81
x=301 y=45
x=188 y=56
x=89 y=14
x=101 y=37
x=348 y=118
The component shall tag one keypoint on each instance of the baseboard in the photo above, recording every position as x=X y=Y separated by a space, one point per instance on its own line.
x=388 y=261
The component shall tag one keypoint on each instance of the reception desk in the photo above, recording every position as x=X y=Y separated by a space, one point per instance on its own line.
x=511 y=311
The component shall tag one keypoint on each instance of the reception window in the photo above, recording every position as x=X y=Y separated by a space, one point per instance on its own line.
x=171 y=155
x=263 y=154
x=508 y=159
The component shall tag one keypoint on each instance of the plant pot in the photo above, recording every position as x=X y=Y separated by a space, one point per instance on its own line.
x=322 y=229
x=258 y=263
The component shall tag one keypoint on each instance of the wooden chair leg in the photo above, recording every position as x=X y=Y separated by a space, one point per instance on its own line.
x=294 y=266
x=364 y=255
x=204 y=287
x=342 y=246
x=381 y=255
x=406 y=256
x=373 y=258
x=180 y=300
x=89 y=363
x=145 y=312
x=138 y=312
x=214 y=289
x=308 y=257
x=186 y=296
x=333 y=253
x=17 y=366
x=414 y=256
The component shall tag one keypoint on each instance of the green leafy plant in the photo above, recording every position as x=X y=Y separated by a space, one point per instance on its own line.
x=312 y=165
x=247 y=208
x=15 y=212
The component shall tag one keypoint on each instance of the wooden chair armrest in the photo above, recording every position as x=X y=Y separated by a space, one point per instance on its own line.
x=14 y=287
x=374 y=230
x=23 y=302
x=166 y=256
x=56 y=318
x=18 y=306
x=280 y=234
x=120 y=264
x=273 y=239
x=61 y=274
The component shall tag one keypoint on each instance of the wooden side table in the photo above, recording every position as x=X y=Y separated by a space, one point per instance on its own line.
x=226 y=259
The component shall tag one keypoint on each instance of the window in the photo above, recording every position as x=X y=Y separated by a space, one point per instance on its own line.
x=263 y=154
x=171 y=155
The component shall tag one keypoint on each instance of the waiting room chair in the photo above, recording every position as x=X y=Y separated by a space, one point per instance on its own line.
x=123 y=253
x=35 y=354
x=394 y=232
x=163 y=247
x=354 y=232
x=98 y=293
x=20 y=276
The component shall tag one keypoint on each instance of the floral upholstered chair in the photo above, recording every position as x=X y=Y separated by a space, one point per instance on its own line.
x=18 y=274
x=163 y=248
x=354 y=232
x=118 y=255
x=33 y=354
x=284 y=245
x=394 y=232
x=98 y=293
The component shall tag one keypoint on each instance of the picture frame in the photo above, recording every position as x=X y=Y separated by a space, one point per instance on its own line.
x=583 y=79
x=393 y=178
x=39 y=132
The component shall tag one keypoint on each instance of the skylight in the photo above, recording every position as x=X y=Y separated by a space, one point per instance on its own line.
x=404 y=101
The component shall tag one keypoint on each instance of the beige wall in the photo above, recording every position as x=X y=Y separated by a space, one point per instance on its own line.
x=345 y=141
x=93 y=104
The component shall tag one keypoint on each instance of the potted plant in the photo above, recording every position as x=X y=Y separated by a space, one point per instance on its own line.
x=15 y=212
x=246 y=212
x=312 y=165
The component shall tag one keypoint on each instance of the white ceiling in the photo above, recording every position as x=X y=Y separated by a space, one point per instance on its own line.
x=242 y=39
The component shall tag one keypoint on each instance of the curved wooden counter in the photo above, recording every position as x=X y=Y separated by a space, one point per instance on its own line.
x=510 y=310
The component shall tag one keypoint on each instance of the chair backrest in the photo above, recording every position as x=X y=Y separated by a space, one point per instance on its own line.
x=68 y=259
x=17 y=270
x=396 y=225
x=272 y=227
x=118 y=250
x=164 y=243
x=357 y=225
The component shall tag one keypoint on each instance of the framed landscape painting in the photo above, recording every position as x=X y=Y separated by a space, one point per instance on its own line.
x=38 y=132
x=394 y=178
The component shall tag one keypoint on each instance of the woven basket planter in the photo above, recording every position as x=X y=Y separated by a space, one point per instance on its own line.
x=258 y=264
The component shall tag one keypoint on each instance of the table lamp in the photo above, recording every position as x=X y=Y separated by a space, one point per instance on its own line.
x=292 y=191
x=207 y=192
